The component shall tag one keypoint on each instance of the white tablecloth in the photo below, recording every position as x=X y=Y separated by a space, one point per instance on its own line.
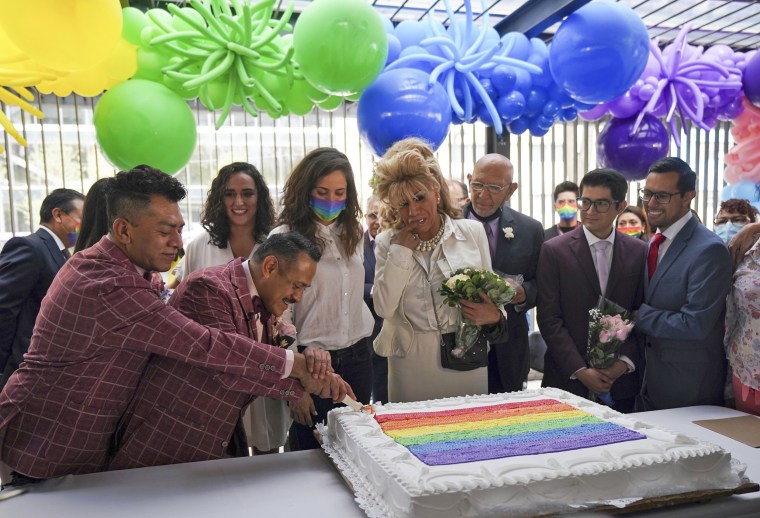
x=297 y=484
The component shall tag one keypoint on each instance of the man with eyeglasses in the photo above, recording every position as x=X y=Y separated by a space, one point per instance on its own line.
x=28 y=265
x=687 y=277
x=514 y=241
x=379 y=363
x=574 y=270
x=565 y=205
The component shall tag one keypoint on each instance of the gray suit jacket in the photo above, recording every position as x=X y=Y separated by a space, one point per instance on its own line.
x=682 y=318
x=516 y=256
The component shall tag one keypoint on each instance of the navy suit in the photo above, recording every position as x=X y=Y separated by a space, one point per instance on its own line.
x=682 y=317
x=509 y=361
x=379 y=363
x=568 y=288
x=28 y=265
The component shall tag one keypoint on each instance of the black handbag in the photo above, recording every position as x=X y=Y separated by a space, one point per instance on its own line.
x=475 y=357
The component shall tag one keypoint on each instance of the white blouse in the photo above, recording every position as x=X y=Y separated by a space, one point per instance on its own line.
x=332 y=313
x=201 y=253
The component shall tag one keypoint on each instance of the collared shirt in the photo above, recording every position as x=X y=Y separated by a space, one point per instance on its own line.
x=332 y=314
x=289 y=358
x=592 y=240
x=58 y=241
x=670 y=234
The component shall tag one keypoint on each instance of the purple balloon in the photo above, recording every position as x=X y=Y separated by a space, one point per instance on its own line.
x=632 y=155
x=751 y=80
x=597 y=112
x=625 y=106
x=399 y=104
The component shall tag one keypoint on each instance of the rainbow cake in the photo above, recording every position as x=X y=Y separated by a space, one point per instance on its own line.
x=517 y=454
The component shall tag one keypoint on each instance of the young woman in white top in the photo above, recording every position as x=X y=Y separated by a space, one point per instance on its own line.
x=237 y=217
x=320 y=201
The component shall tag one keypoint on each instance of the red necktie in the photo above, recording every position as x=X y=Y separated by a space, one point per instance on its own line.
x=654 y=250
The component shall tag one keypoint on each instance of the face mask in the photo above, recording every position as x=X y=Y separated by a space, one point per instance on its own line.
x=631 y=231
x=567 y=212
x=727 y=231
x=72 y=236
x=326 y=210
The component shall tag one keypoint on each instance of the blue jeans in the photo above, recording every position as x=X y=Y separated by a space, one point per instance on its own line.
x=354 y=364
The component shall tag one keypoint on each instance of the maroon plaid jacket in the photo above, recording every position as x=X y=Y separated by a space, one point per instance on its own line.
x=182 y=413
x=97 y=327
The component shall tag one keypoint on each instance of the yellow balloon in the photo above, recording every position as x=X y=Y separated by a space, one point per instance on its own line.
x=116 y=68
x=64 y=35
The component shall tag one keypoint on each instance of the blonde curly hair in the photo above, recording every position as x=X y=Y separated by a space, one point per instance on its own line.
x=407 y=168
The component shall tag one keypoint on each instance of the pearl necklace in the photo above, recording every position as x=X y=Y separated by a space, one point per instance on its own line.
x=430 y=244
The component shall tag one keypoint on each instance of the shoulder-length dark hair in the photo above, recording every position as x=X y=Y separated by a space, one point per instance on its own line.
x=297 y=213
x=94 y=223
x=214 y=216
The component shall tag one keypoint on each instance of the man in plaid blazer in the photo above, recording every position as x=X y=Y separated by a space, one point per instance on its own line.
x=97 y=328
x=183 y=413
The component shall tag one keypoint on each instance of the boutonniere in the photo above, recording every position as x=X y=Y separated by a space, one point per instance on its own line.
x=284 y=334
x=508 y=232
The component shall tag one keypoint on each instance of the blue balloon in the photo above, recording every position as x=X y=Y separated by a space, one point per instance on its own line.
x=394 y=49
x=511 y=106
x=746 y=190
x=416 y=50
x=489 y=88
x=520 y=45
x=727 y=193
x=568 y=115
x=538 y=126
x=484 y=116
x=504 y=78
x=599 y=52
x=387 y=24
x=410 y=32
x=399 y=104
x=551 y=108
x=523 y=83
x=536 y=100
x=518 y=126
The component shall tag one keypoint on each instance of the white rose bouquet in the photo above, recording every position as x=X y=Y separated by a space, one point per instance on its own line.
x=468 y=283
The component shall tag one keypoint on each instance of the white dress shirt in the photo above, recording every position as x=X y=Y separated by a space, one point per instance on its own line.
x=670 y=234
x=332 y=314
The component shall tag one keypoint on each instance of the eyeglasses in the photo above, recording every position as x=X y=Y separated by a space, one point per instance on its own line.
x=601 y=206
x=661 y=197
x=736 y=219
x=372 y=215
x=492 y=187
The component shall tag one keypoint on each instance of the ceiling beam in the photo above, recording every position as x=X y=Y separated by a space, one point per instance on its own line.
x=534 y=16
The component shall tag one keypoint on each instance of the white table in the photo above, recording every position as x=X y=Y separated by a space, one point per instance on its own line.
x=297 y=484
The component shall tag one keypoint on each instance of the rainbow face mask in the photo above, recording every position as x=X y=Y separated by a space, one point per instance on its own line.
x=631 y=231
x=326 y=210
x=567 y=212
x=72 y=236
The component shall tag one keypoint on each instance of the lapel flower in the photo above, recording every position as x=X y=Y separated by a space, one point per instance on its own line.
x=508 y=232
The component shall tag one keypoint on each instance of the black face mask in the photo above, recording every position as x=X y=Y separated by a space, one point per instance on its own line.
x=492 y=217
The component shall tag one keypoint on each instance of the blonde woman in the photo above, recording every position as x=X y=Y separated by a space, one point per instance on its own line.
x=424 y=245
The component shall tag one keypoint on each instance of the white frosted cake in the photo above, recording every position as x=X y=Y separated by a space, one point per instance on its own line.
x=518 y=454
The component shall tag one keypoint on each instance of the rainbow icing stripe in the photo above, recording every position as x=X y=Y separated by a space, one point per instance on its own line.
x=498 y=431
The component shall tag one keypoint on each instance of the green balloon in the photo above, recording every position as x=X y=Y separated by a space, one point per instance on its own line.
x=331 y=103
x=134 y=22
x=150 y=61
x=340 y=45
x=142 y=122
x=297 y=98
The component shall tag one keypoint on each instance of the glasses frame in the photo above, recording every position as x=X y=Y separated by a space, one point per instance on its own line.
x=721 y=221
x=491 y=187
x=662 y=197
x=597 y=204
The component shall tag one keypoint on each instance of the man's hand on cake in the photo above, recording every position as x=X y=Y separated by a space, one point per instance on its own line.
x=595 y=380
x=302 y=410
x=480 y=313
x=318 y=362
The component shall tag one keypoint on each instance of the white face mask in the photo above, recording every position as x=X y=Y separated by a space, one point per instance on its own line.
x=727 y=231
